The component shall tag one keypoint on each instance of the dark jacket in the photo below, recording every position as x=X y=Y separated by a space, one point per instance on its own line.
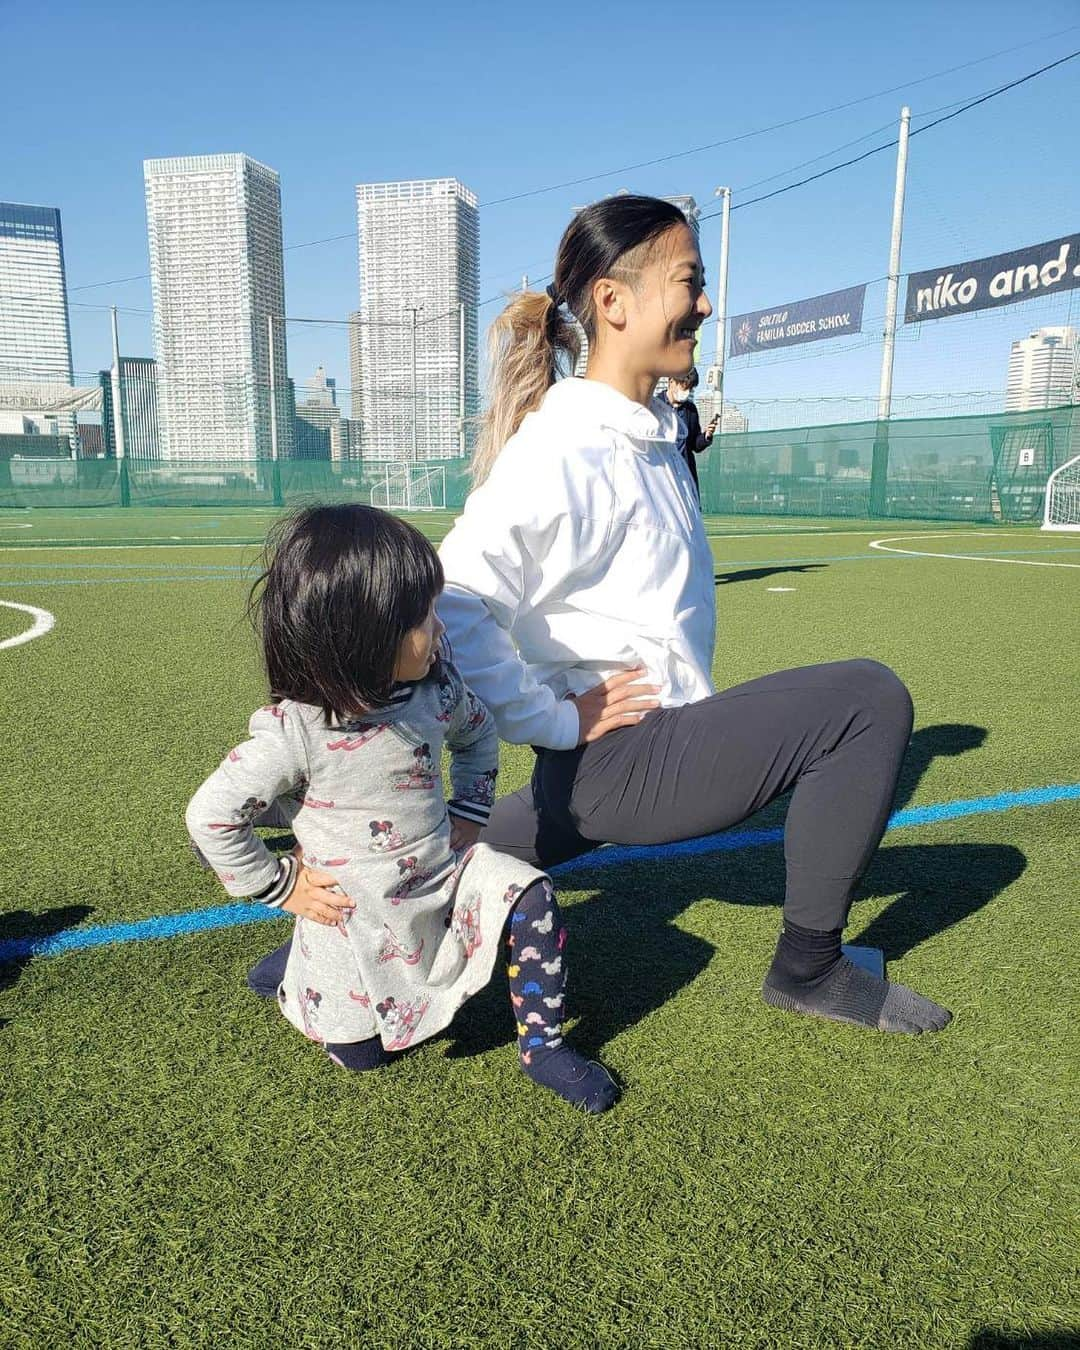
x=692 y=440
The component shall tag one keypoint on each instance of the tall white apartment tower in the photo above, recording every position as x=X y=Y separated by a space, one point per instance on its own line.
x=419 y=264
x=217 y=275
x=1044 y=370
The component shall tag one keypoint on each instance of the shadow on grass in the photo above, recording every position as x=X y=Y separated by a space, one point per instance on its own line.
x=760 y=573
x=946 y=739
x=990 y=1338
x=627 y=957
x=24 y=923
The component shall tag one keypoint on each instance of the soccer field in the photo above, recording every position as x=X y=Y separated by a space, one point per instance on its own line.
x=179 y=1168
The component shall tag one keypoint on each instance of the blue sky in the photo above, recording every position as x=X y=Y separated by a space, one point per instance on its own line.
x=509 y=99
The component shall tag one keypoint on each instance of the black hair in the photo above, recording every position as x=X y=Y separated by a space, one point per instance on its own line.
x=597 y=238
x=340 y=588
x=534 y=338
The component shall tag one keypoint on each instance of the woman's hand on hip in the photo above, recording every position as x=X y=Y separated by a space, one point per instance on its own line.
x=620 y=701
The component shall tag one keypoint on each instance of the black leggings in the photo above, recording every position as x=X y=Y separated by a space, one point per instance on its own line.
x=834 y=733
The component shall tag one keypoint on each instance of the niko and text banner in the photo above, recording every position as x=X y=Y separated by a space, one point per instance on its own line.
x=986 y=283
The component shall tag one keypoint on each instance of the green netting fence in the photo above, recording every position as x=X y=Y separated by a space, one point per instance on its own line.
x=981 y=468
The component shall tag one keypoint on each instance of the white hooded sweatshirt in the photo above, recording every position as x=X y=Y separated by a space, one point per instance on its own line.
x=583 y=554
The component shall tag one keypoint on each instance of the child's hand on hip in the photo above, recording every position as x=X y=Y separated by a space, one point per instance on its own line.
x=317 y=896
x=463 y=833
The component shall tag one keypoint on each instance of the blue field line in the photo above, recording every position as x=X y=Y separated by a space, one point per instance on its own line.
x=32 y=583
x=229 y=916
x=126 y=567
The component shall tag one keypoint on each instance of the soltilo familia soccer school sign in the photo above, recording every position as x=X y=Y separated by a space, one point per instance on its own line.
x=986 y=283
x=822 y=316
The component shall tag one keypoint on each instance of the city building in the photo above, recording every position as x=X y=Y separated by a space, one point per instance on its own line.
x=317 y=414
x=35 y=334
x=793 y=460
x=91 y=440
x=1044 y=370
x=218 y=281
x=690 y=209
x=346 y=439
x=732 y=419
x=414 y=348
x=355 y=367
x=139 y=395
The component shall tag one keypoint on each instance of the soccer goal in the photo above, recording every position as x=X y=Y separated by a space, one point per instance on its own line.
x=410 y=487
x=1062 y=509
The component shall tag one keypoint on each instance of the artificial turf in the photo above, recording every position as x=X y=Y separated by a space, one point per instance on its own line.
x=180 y=1168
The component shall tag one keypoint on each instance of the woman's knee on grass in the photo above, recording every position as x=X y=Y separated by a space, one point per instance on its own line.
x=882 y=693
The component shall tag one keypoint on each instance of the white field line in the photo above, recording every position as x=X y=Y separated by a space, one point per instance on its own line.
x=150 y=541
x=883 y=546
x=43 y=621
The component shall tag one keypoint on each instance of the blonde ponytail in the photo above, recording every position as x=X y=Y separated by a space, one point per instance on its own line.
x=526 y=344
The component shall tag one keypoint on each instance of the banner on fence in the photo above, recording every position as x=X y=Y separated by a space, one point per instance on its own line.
x=986 y=283
x=49 y=397
x=822 y=316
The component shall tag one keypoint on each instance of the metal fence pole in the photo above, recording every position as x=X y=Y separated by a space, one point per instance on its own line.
x=879 y=469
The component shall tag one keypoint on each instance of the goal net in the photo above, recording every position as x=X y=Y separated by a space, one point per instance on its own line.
x=410 y=487
x=1062 y=508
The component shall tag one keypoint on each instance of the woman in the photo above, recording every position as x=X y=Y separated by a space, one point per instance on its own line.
x=580 y=606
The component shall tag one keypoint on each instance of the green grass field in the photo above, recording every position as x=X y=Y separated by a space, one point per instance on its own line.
x=179 y=1168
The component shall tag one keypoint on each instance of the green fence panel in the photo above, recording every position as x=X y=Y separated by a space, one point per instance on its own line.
x=51 y=483
x=981 y=468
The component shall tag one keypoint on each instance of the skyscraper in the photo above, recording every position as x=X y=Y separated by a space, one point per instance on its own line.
x=1044 y=370
x=356 y=377
x=419 y=263
x=317 y=414
x=139 y=393
x=35 y=337
x=218 y=276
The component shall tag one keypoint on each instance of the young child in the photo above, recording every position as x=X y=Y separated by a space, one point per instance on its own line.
x=400 y=914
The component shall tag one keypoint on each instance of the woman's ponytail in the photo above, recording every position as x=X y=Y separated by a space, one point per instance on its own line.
x=531 y=341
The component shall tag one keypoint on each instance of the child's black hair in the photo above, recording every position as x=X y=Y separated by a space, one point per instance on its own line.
x=341 y=587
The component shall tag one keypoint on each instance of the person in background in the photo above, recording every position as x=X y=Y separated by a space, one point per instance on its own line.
x=692 y=440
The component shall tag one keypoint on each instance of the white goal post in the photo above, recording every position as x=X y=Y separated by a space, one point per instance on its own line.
x=1062 y=507
x=410 y=487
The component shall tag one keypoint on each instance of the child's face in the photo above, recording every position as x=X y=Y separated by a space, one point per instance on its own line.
x=419 y=647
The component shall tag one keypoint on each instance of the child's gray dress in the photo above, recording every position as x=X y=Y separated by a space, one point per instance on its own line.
x=365 y=801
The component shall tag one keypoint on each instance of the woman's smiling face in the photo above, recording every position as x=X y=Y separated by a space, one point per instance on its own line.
x=668 y=304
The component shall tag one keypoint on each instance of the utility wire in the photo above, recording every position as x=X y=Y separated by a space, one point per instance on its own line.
x=775 y=126
x=662 y=159
x=856 y=159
